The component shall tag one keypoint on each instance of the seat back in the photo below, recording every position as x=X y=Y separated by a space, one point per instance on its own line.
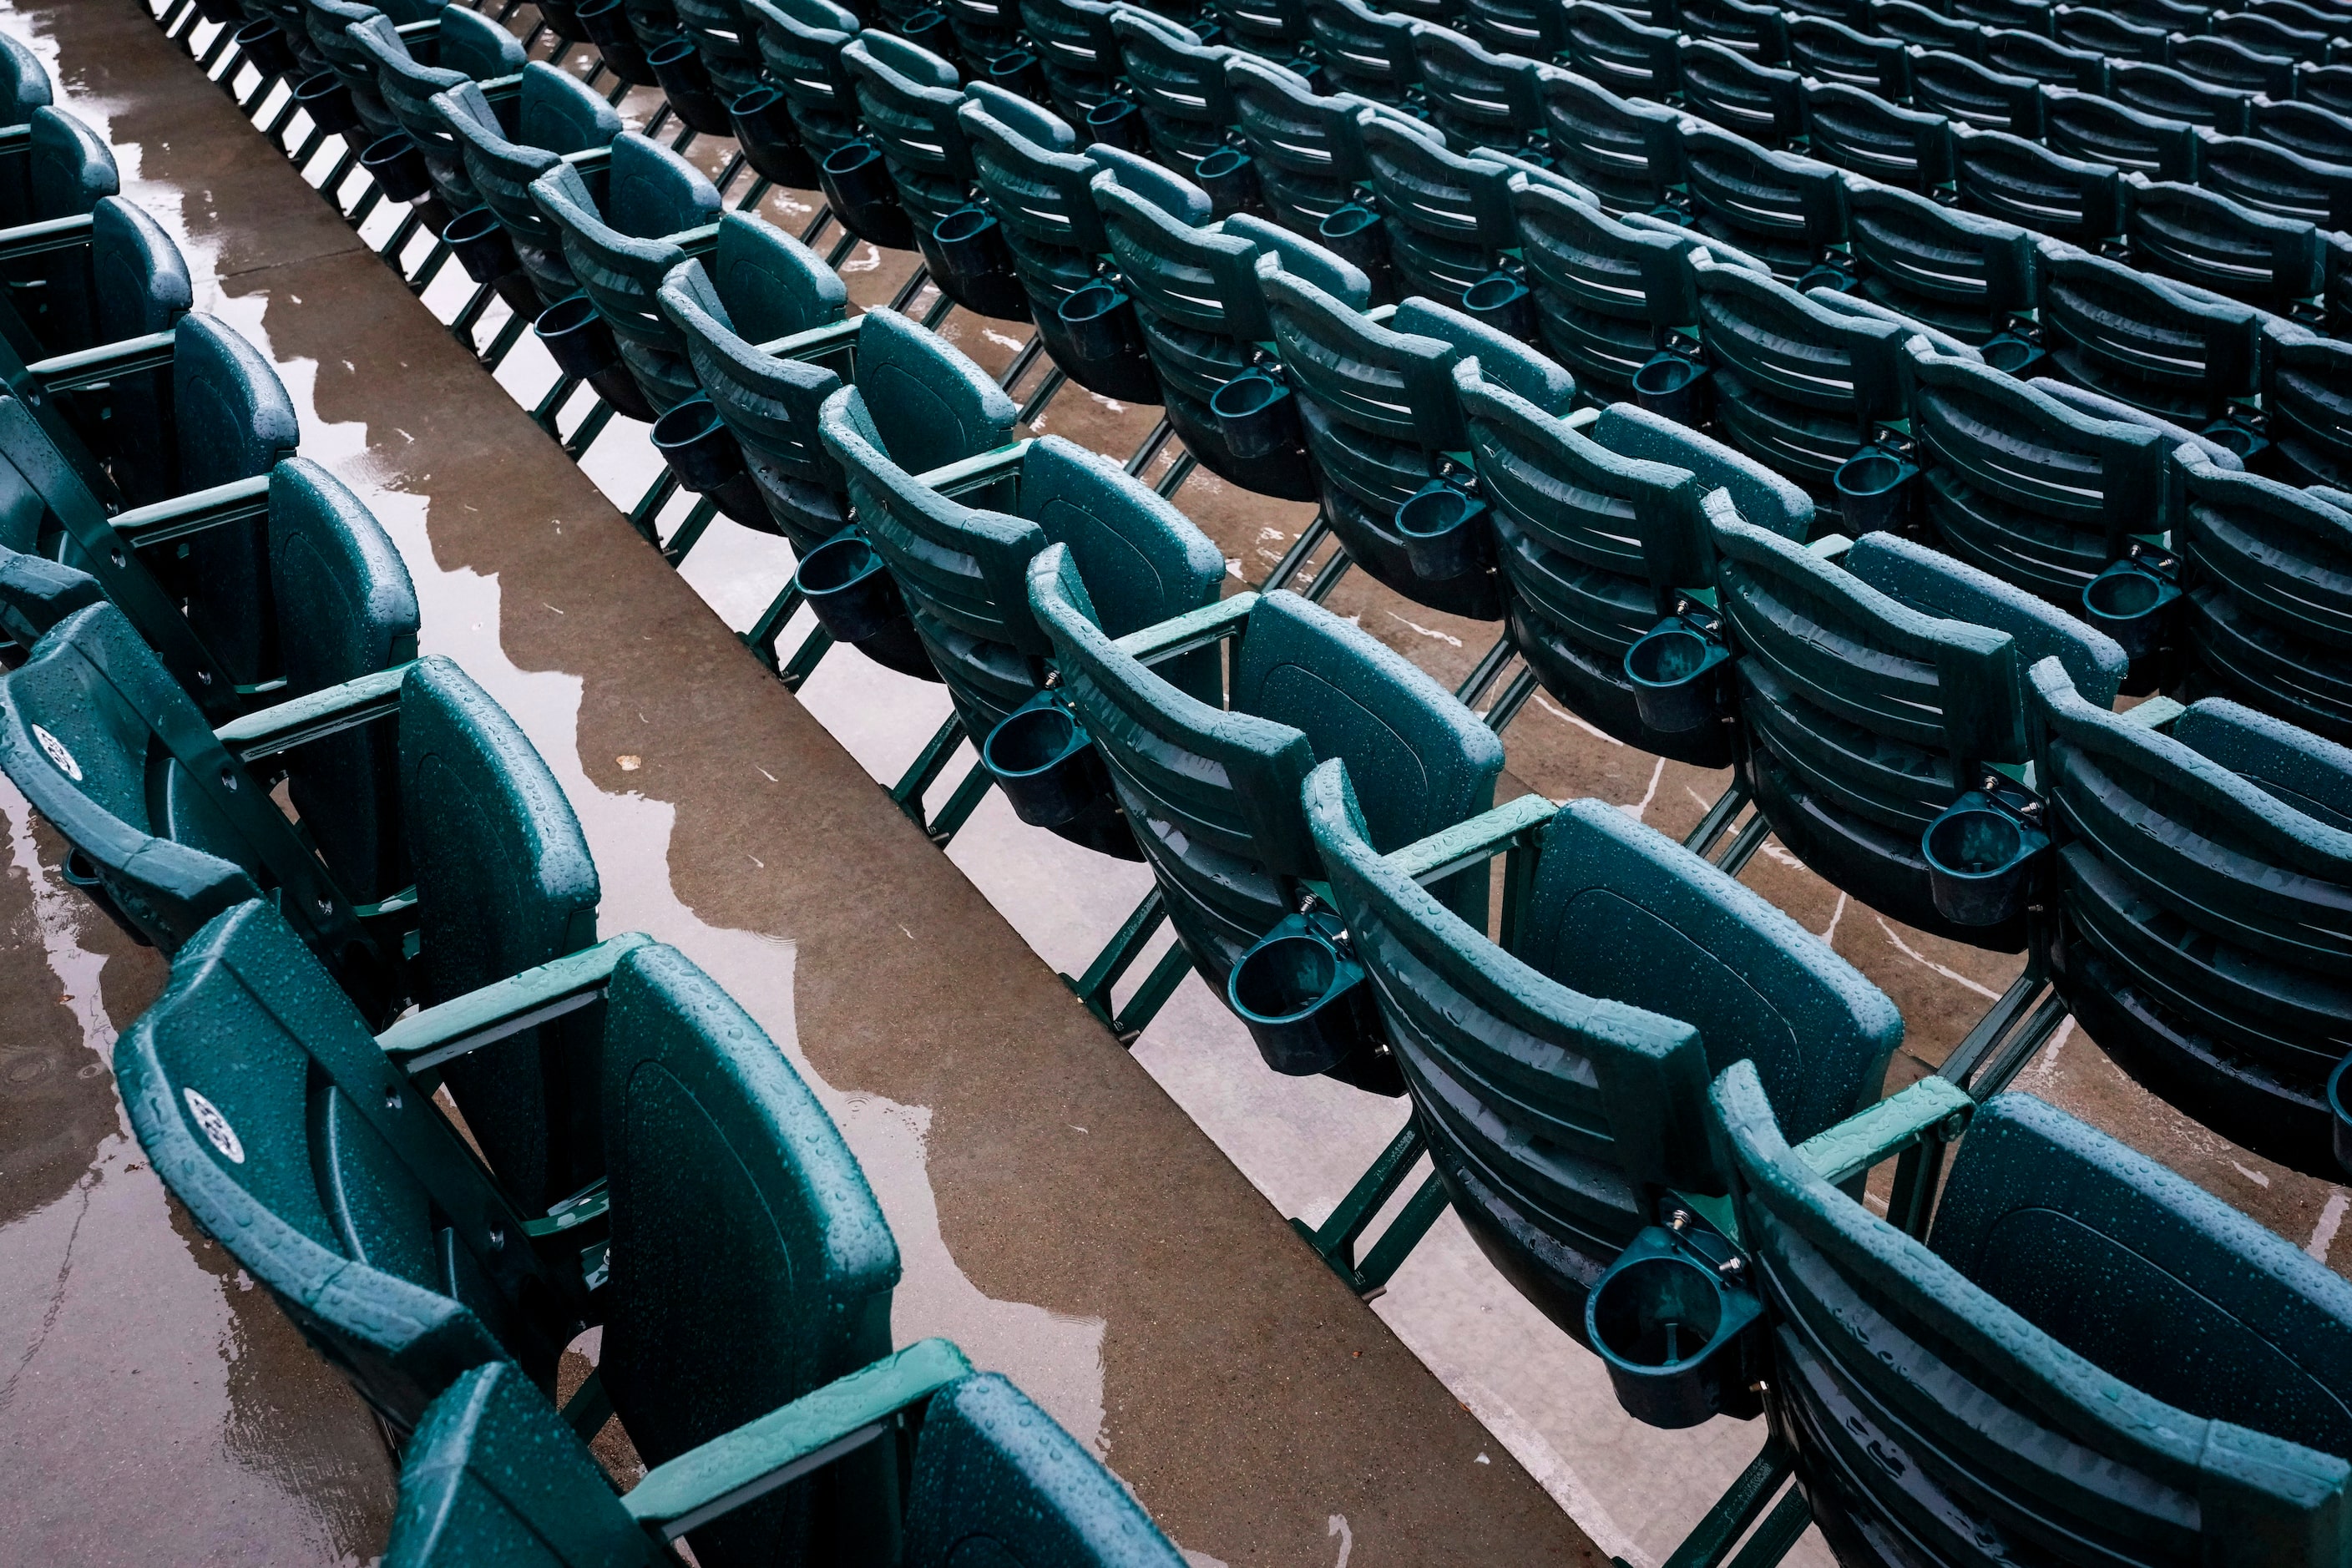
x=231 y=419
x=1179 y=85
x=1781 y=208
x=1860 y=132
x=961 y=567
x=2207 y=940
x=2025 y=183
x=908 y=97
x=929 y=403
x=2269 y=591
x=473 y=49
x=2040 y=55
x=24 y=88
x=758 y=286
x=556 y=114
x=2289 y=764
x=996 y=1481
x=1365 y=51
x=2203 y=238
x=750 y=1263
x=68 y=170
x=1609 y=48
x=1077 y=49
x=2307 y=394
x=1448 y=217
x=1305 y=149
x=2170 y=94
x=1561 y=1075
x=1764 y=498
x=2023 y=486
x=1212 y=789
x=1867 y=706
x=1594 y=547
x=2304 y=127
x=1727 y=88
x=1830 y=50
x=1969 y=276
x=273 y=1116
x=2102 y=131
x=2174 y=349
x=1976 y=95
x=2114 y=37
x=139 y=284
x=1919 y=1402
x=1752 y=28
x=1479 y=98
x=346 y=607
x=1625 y=151
x=1607 y=291
x=800 y=43
x=2273 y=178
x=504 y=882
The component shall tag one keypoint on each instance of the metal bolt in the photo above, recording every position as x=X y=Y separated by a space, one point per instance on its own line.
x=1678 y=1221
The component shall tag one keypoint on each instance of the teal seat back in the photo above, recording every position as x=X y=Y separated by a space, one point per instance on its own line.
x=761 y=285
x=472 y=48
x=346 y=607
x=1179 y=84
x=909 y=98
x=1211 y=789
x=2307 y=398
x=961 y=567
x=24 y=88
x=997 y=1481
x=2208 y=938
x=556 y=113
x=1308 y=154
x=2291 y=765
x=1923 y=1406
x=69 y=170
x=139 y=284
x=1764 y=499
x=800 y=42
x=1562 y=1078
x=929 y=403
x=232 y=420
x=2098 y=1246
x=504 y=882
x=2168 y=348
x=273 y=1116
x=2269 y=591
x=1024 y=162
x=1594 y=547
x=1606 y=290
x=477 y=46
x=750 y=1263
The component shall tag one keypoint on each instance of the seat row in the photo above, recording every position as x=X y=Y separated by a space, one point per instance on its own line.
x=419 y=921
x=1313 y=810
x=1430 y=418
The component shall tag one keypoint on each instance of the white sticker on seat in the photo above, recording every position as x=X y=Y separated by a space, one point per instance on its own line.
x=57 y=754
x=216 y=1128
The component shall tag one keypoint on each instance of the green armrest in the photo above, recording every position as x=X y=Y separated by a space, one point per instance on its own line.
x=1829 y=546
x=15 y=139
x=590 y=160
x=1467 y=844
x=39 y=238
x=92 y=366
x=1894 y=1124
x=1195 y=629
x=426 y=1040
x=297 y=722
x=814 y=344
x=412 y=31
x=972 y=473
x=701 y=241
x=2154 y=713
x=199 y=511
x=501 y=89
x=785 y=1444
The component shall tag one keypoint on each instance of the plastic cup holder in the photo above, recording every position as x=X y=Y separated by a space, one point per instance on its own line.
x=1018 y=71
x=1673 y=673
x=2008 y=353
x=928 y=28
x=1980 y=857
x=1874 y=491
x=2234 y=437
x=685 y=79
x=1822 y=275
x=1303 y=998
x=265 y=47
x=848 y=589
x=701 y=450
x=324 y=98
x=607 y=25
x=1445 y=532
x=857 y=185
x=1229 y=177
x=481 y=246
x=1502 y=302
x=969 y=250
x=1099 y=322
x=1257 y=414
x=583 y=347
x=1115 y=121
x=2131 y=604
x=1672 y=387
x=2341 y=1114
x=771 y=142
x=1667 y=1324
x=397 y=167
x=1354 y=235
x=1044 y=761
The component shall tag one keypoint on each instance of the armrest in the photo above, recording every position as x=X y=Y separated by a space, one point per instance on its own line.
x=1467 y=844
x=297 y=722
x=37 y=238
x=973 y=472
x=15 y=139
x=92 y=367
x=814 y=344
x=783 y=1445
x=590 y=160
x=697 y=241
x=2154 y=713
x=426 y=1040
x=410 y=32
x=1932 y=1105
x=1194 y=629
x=1829 y=546
x=239 y=501
x=501 y=89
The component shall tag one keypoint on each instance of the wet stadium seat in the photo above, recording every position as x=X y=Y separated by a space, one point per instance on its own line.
x=24 y=88
x=2172 y=349
x=1966 y=275
x=1626 y=152
x=1179 y=84
x=557 y=120
x=907 y=98
x=1448 y=219
x=2307 y=401
x=2003 y=176
x=470 y=47
x=2204 y=238
x=1785 y=210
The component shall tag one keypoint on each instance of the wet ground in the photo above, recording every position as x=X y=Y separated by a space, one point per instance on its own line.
x=1108 y=1229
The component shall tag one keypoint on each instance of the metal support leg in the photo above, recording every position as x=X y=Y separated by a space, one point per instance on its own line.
x=794 y=671
x=1173 y=479
x=1021 y=361
x=477 y=305
x=1514 y=698
x=685 y=140
x=1488 y=669
x=817 y=227
x=1094 y=987
x=937 y=313
x=1053 y=382
x=841 y=250
x=1127 y=1027
x=275 y=129
x=643 y=516
x=762 y=636
x=1727 y=806
x=697 y=522
x=957 y=809
x=1329 y=578
x=366 y=205
x=250 y=104
x=590 y=428
x=401 y=231
x=531 y=39
x=620 y=90
x=727 y=175
x=430 y=267
x=1743 y=848
x=1777 y=1534
x=1728 y=1520
x=908 y=793
x=1335 y=1240
x=1295 y=556
x=752 y=197
x=503 y=345
x=1157 y=437
x=303 y=156
x=910 y=288
x=1980 y=1042
x=545 y=414
x=660 y=118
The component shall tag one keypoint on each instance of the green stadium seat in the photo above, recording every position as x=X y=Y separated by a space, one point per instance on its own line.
x=1450 y=223
x=24 y=88
x=1964 y=275
x=470 y=47
x=1787 y=211
x=1626 y=152
x=920 y=165
x=2307 y=398
x=2024 y=183
x=2172 y=349
x=1610 y=49
x=556 y=120
x=1179 y=84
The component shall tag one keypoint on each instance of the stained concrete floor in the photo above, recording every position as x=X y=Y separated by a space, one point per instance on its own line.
x=1111 y=1237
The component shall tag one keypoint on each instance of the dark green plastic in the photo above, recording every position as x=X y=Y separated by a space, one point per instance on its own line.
x=555 y=115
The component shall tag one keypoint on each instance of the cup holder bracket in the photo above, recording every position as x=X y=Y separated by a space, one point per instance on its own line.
x=1981 y=852
x=1676 y=670
x=1677 y=1323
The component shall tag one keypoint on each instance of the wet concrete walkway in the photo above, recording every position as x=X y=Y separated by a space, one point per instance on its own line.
x=1060 y=1215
